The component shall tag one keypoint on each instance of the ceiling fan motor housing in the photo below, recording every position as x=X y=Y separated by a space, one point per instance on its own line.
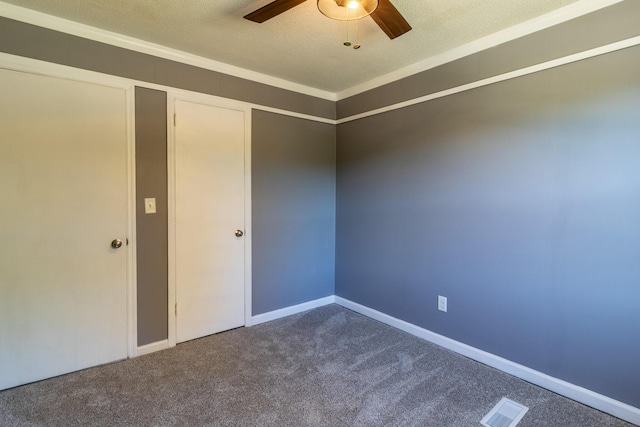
x=388 y=18
x=347 y=10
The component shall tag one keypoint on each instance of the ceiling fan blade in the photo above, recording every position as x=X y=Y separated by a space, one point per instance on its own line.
x=390 y=20
x=272 y=9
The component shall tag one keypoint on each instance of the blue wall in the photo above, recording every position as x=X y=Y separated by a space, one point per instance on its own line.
x=520 y=202
x=293 y=210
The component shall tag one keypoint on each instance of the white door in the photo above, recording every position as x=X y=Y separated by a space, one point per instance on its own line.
x=63 y=199
x=209 y=198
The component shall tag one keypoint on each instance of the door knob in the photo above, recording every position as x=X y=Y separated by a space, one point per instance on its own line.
x=117 y=243
x=239 y=233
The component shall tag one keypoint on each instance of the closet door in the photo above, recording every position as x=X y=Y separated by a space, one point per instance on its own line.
x=63 y=186
x=209 y=226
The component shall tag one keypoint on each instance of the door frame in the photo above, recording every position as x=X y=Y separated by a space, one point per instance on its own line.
x=212 y=101
x=32 y=66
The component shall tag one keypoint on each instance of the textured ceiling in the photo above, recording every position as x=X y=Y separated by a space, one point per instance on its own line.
x=300 y=45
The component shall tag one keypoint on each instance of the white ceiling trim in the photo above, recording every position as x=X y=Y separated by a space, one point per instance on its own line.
x=559 y=16
x=556 y=17
x=96 y=34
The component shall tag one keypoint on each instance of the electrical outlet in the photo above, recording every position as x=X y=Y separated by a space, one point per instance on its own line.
x=442 y=303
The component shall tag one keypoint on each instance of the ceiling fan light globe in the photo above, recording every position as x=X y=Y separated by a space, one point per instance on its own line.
x=347 y=10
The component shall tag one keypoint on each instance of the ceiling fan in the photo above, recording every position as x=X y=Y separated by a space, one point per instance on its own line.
x=382 y=11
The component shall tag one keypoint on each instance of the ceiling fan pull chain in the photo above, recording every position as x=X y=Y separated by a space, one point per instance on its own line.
x=347 y=43
x=357 y=45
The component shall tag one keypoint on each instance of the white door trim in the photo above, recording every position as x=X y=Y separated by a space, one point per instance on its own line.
x=214 y=101
x=247 y=219
x=132 y=260
x=26 y=65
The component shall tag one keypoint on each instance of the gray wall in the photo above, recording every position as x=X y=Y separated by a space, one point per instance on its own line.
x=151 y=229
x=519 y=202
x=293 y=209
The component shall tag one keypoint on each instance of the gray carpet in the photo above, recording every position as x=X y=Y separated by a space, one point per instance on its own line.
x=326 y=367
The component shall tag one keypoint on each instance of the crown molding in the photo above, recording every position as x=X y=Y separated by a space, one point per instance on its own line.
x=51 y=22
x=566 y=13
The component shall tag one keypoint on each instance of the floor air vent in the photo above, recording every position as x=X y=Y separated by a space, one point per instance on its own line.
x=506 y=413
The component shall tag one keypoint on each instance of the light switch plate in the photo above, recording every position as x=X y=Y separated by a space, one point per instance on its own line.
x=150 y=206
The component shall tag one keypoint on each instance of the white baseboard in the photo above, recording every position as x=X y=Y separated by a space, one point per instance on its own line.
x=153 y=347
x=255 y=320
x=288 y=311
x=595 y=400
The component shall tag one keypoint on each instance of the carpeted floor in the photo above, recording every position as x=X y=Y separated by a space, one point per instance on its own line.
x=326 y=367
